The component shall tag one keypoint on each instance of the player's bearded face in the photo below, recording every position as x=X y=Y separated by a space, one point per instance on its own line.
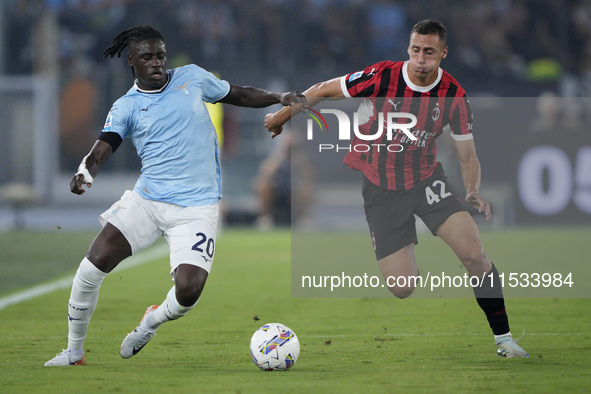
x=148 y=59
x=425 y=52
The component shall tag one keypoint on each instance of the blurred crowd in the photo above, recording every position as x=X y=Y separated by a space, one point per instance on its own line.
x=497 y=41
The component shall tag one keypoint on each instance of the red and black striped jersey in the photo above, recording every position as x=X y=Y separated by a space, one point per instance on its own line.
x=402 y=162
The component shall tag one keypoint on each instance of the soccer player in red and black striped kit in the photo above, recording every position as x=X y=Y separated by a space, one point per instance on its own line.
x=401 y=182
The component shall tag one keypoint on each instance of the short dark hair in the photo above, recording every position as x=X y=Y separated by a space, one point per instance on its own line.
x=430 y=26
x=133 y=34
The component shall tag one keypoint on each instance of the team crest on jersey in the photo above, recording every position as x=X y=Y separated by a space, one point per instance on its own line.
x=184 y=89
x=436 y=113
x=356 y=75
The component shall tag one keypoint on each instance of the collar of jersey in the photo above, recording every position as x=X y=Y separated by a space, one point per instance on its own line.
x=417 y=88
x=156 y=90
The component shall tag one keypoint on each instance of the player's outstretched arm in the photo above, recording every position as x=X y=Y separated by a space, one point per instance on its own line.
x=90 y=166
x=328 y=89
x=248 y=96
x=470 y=167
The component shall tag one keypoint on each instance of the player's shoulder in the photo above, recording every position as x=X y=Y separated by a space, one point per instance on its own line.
x=127 y=100
x=386 y=65
x=127 y=104
x=448 y=80
x=192 y=72
x=188 y=69
x=374 y=70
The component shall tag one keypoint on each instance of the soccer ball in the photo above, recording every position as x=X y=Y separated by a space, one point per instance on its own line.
x=274 y=347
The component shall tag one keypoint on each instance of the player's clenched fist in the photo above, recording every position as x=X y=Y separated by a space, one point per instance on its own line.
x=273 y=124
x=77 y=182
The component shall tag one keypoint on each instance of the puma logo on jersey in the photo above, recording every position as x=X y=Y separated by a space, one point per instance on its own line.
x=394 y=104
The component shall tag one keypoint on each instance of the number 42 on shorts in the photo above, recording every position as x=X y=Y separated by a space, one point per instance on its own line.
x=436 y=192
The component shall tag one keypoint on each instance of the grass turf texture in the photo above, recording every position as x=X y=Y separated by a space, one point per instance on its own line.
x=29 y=258
x=348 y=345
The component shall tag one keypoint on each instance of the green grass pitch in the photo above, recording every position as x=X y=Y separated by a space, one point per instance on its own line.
x=348 y=345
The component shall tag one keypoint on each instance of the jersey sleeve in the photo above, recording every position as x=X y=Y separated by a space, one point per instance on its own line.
x=213 y=89
x=461 y=119
x=365 y=83
x=118 y=119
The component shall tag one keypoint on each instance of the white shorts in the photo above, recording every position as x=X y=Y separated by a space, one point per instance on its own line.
x=189 y=231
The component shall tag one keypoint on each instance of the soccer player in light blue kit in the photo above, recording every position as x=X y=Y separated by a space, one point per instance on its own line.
x=177 y=193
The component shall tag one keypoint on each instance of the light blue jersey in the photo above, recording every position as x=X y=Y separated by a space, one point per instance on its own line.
x=174 y=137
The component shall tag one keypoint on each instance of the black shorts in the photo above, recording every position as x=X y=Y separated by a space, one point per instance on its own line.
x=390 y=214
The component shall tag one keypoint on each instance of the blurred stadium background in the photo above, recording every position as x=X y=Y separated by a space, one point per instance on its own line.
x=56 y=89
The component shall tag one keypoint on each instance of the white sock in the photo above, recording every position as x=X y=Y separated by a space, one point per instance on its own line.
x=170 y=309
x=83 y=299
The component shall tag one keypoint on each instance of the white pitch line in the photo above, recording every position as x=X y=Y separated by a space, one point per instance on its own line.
x=155 y=252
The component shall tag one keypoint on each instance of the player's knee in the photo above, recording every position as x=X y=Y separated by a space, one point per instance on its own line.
x=104 y=261
x=189 y=283
x=402 y=292
x=188 y=295
x=108 y=249
x=475 y=261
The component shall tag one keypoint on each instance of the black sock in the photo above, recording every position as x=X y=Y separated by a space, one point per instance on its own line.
x=489 y=296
